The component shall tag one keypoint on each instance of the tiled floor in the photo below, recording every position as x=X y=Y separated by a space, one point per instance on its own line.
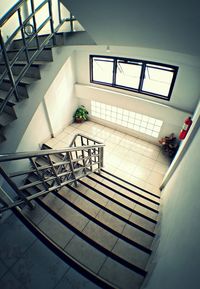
x=131 y=158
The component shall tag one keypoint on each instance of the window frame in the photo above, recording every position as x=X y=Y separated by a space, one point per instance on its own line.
x=144 y=64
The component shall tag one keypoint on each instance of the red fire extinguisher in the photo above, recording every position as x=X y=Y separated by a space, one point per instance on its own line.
x=185 y=128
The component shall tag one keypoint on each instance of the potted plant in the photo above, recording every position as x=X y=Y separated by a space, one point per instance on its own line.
x=81 y=114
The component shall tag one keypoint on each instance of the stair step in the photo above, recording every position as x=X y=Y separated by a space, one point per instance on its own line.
x=130 y=186
x=46 y=54
x=83 y=245
x=89 y=279
x=138 y=196
x=33 y=71
x=118 y=199
x=3 y=94
x=6 y=118
x=59 y=41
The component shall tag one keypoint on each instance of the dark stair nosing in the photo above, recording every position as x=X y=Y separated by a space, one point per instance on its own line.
x=111 y=212
x=104 y=226
x=91 y=241
x=119 y=203
x=130 y=184
x=124 y=196
x=63 y=255
x=135 y=193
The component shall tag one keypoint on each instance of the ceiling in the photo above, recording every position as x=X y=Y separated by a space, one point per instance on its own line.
x=168 y=25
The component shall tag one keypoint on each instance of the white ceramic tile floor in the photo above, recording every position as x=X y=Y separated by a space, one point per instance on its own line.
x=129 y=157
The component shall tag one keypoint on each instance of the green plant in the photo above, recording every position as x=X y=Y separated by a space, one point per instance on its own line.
x=81 y=114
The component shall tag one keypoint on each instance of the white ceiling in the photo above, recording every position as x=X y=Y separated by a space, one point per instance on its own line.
x=168 y=25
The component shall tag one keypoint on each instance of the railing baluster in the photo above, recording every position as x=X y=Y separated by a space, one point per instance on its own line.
x=41 y=177
x=54 y=170
x=69 y=157
x=71 y=23
x=7 y=64
x=51 y=21
x=22 y=33
x=59 y=12
x=34 y=24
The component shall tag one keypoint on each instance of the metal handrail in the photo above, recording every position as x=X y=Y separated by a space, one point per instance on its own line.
x=52 y=169
x=32 y=154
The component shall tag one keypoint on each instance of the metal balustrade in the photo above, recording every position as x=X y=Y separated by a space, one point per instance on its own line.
x=49 y=169
x=28 y=31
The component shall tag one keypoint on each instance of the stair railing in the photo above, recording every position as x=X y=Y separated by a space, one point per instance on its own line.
x=48 y=169
x=30 y=32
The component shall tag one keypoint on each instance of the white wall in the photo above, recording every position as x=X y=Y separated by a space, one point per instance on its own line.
x=35 y=132
x=60 y=100
x=54 y=112
x=177 y=258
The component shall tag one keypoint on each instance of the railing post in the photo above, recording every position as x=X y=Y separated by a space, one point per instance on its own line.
x=7 y=64
x=41 y=177
x=59 y=12
x=71 y=23
x=51 y=21
x=22 y=33
x=34 y=23
x=69 y=157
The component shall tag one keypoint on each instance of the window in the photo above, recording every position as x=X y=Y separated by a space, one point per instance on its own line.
x=139 y=122
x=154 y=79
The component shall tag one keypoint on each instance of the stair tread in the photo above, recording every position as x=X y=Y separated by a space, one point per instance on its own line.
x=25 y=80
x=130 y=185
x=79 y=249
x=6 y=118
x=24 y=62
x=135 y=195
x=77 y=220
x=115 y=197
x=29 y=48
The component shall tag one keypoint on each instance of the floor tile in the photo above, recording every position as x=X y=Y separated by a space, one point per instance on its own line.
x=146 y=212
x=118 y=210
x=3 y=269
x=12 y=248
x=85 y=254
x=9 y=281
x=110 y=221
x=68 y=194
x=120 y=275
x=53 y=202
x=73 y=217
x=100 y=235
x=74 y=280
x=155 y=179
x=87 y=206
x=39 y=268
x=59 y=233
x=36 y=215
x=141 y=173
x=131 y=253
x=144 y=223
x=137 y=236
x=97 y=198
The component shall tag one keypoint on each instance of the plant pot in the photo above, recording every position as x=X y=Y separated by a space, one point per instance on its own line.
x=79 y=120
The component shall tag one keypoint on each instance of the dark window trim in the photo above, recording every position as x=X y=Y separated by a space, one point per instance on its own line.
x=143 y=63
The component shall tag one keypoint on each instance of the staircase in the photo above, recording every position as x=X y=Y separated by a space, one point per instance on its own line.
x=98 y=223
x=27 y=49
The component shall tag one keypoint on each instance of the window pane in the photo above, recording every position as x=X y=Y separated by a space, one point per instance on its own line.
x=103 y=70
x=128 y=74
x=157 y=80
